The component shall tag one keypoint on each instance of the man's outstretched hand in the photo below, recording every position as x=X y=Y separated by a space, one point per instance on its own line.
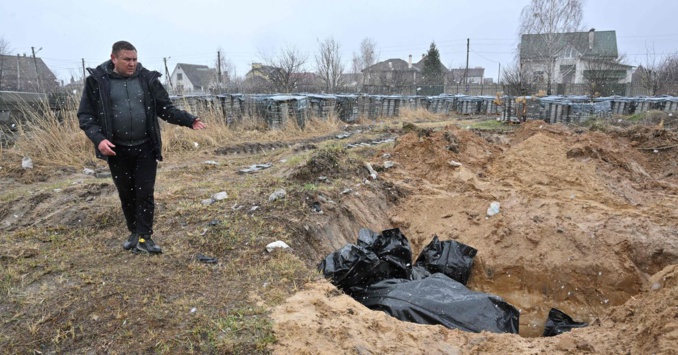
x=198 y=124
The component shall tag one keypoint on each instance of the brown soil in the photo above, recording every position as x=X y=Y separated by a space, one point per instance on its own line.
x=587 y=225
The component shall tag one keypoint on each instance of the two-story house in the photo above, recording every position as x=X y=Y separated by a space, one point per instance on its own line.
x=193 y=79
x=572 y=58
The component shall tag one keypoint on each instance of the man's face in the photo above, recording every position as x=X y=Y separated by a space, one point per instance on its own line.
x=125 y=62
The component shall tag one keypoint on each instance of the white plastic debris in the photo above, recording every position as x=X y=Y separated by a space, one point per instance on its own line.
x=27 y=163
x=276 y=245
x=373 y=174
x=277 y=195
x=211 y=162
x=196 y=145
x=207 y=201
x=220 y=196
x=193 y=310
x=388 y=164
x=493 y=209
x=88 y=171
x=454 y=163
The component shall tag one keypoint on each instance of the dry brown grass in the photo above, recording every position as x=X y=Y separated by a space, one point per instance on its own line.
x=51 y=141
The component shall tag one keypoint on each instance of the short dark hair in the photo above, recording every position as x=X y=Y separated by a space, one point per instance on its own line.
x=122 y=45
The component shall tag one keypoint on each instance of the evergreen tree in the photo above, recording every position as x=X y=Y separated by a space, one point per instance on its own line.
x=433 y=68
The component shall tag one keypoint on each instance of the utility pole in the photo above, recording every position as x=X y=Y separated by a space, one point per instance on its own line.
x=219 y=71
x=499 y=74
x=169 y=78
x=468 y=45
x=35 y=61
x=83 y=71
x=18 y=72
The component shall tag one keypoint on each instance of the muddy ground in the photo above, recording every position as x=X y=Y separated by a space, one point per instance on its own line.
x=587 y=224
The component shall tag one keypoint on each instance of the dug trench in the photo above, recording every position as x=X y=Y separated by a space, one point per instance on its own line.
x=586 y=219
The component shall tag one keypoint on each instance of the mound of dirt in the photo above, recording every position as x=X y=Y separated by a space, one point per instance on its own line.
x=330 y=162
x=586 y=218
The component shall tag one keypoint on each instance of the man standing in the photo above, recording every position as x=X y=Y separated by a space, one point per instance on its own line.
x=119 y=113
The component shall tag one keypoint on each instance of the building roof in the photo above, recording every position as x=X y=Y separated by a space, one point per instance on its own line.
x=391 y=64
x=604 y=44
x=27 y=73
x=199 y=75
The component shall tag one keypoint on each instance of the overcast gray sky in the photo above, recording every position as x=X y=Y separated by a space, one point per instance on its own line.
x=191 y=31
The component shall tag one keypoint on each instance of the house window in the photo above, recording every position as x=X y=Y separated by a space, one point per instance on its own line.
x=538 y=77
x=570 y=53
x=567 y=73
x=179 y=76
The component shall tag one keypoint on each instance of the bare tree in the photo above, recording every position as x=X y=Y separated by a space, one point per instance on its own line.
x=329 y=66
x=286 y=67
x=4 y=50
x=602 y=76
x=517 y=80
x=548 y=19
x=657 y=72
x=368 y=56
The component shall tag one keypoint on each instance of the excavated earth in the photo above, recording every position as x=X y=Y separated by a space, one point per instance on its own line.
x=587 y=224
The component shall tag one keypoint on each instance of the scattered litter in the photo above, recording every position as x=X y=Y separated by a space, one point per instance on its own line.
x=220 y=196
x=211 y=162
x=236 y=207
x=88 y=171
x=207 y=201
x=254 y=168
x=276 y=245
x=77 y=182
x=90 y=198
x=343 y=135
x=493 y=209
x=214 y=222
x=388 y=164
x=386 y=156
x=322 y=178
x=454 y=163
x=277 y=195
x=558 y=322
x=196 y=145
x=254 y=208
x=346 y=191
x=373 y=174
x=193 y=310
x=206 y=259
x=283 y=161
x=315 y=207
x=27 y=163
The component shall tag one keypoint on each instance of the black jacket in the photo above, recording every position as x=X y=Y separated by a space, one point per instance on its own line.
x=94 y=113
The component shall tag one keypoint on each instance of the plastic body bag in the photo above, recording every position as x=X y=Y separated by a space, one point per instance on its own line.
x=439 y=299
x=558 y=322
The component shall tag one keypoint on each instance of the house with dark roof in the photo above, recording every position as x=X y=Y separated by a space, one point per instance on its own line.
x=572 y=57
x=193 y=79
x=396 y=76
x=24 y=73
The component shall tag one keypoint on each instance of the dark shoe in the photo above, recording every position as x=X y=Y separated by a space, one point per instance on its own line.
x=147 y=245
x=131 y=242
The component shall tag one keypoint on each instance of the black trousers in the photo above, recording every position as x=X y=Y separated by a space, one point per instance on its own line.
x=134 y=170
